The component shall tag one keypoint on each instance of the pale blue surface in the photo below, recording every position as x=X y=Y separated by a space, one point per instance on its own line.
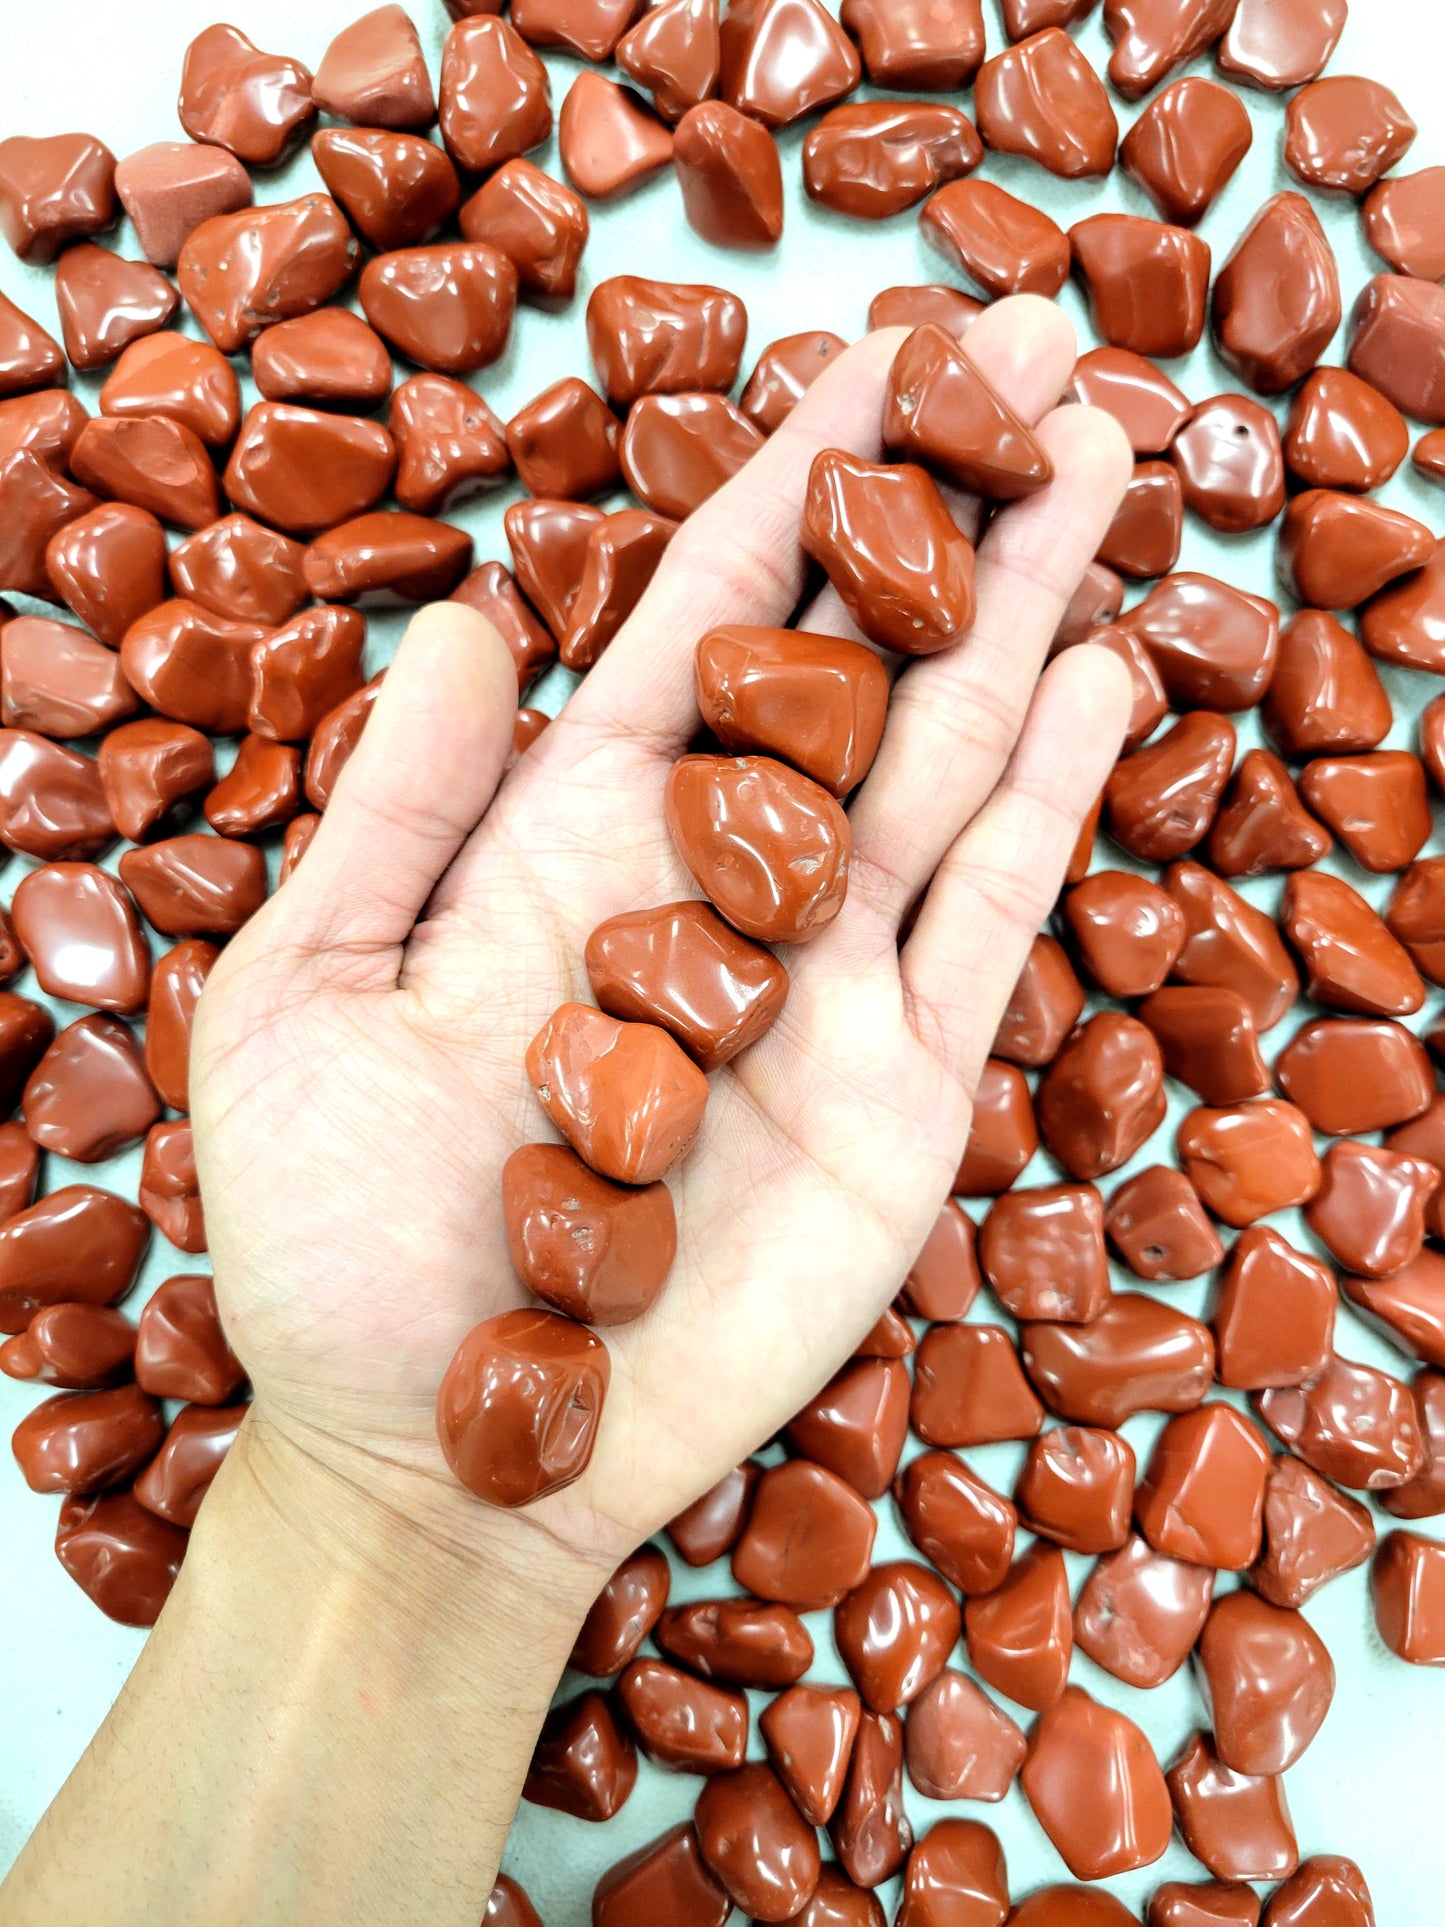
x=1368 y=1786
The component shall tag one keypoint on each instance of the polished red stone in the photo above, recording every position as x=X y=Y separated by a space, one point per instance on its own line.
x=1186 y=146
x=1004 y=244
x=1139 y=1613
x=1277 y=297
x=1096 y=1788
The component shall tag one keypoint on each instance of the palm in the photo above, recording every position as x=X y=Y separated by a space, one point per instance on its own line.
x=356 y=1099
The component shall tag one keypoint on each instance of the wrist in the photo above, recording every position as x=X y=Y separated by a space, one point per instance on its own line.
x=422 y=1550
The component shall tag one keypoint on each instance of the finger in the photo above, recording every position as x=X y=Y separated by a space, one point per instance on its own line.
x=997 y=884
x=954 y=718
x=418 y=782
x=738 y=558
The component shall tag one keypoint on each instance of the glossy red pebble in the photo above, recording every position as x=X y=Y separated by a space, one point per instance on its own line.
x=1327 y=1891
x=1157 y=1223
x=870 y=1830
x=584 y=1762
x=1139 y=1613
x=1096 y=1788
x=82 y=1442
x=1407 y=1589
x=81 y=1348
x=809 y=1733
x=1202 y=1497
x=968 y=1388
x=737 y=1641
x=1312 y=1533
x=1237 y=1824
x=684 y=1723
x=1351 y=1423
x=808 y=1538
x=1276 y=301
x=956 y=1877
x=1020 y=1636
x=1267 y=1681
x=895 y=1631
x=756 y=1842
x=1138 y=1355
x=519 y=1406
x=668 y=1880
x=119 y=1554
x=857 y=1424
x=1005 y=245
x=961 y=1525
x=178 y=1478
x=1186 y=146
x=1274 y=1316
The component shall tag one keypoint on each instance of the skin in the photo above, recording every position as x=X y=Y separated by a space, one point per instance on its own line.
x=335 y=1712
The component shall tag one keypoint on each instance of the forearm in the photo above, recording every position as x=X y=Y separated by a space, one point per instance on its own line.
x=331 y=1722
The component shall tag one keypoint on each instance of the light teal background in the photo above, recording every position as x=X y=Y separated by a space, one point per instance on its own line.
x=1369 y=1786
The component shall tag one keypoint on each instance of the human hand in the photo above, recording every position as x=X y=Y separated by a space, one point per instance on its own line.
x=358 y=1057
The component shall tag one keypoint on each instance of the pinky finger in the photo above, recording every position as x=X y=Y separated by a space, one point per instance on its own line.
x=994 y=889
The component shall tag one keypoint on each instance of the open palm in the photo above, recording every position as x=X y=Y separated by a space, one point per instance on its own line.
x=358 y=1071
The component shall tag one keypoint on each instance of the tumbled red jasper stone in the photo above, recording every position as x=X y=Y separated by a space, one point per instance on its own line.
x=625 y=1094
x=518 y=1409
x=1267 y=1680
x=1020 y=1636
x=892 y=551
x=597 y=1251
x=1238 y=1824
x=895 y=1632
x=1102 y=1096
x=968 y=1388
x=1077 y=1489
x=769 y=846
x=1042 y=1251
x=961 y=1525
x=1249 y=1160
x=1041 y=99
x=1328 y=1890
x=623 y=1614
x=1407 y=1585
x=1046 y=1002
x=1139 y=1613
x=86 y=1441
x=1003 y=1136
x=1186 y=146
x=957 y=1864
x=241 y=272
x=757 y=1843
x=809 y=1733
x=1276 y=300
x=1202 y=1498
x=1146 y=282
x=181 y=1350
x=76 y=1245
x=808 y=1538
x=941 y=410
x=1006 y=245
x=1096 y=1788
x=960 y=1746
x=817 y=702
x=1157 y=1224
x=120 y=1555
x=1274 y=1318
x=584 y=1763
x=663 y=337
x=1370 y=1210
x=1312 y=1533
x=667 y=1880
x=682 y=967
x=857 y=1424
